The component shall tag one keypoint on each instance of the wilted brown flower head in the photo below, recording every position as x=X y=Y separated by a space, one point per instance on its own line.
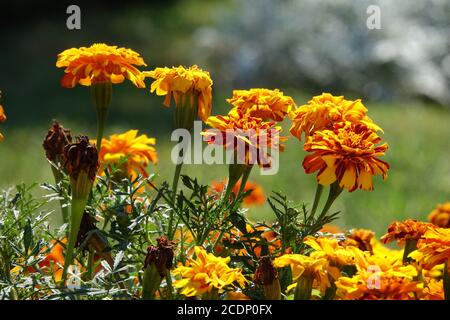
x=55 y=141
x=265 y=273
x=160 y=255
x=81 y=156
x=87 y=225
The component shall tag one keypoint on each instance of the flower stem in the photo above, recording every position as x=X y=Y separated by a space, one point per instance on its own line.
x=304 y=288
x=410 y=246
x=78 y=206
x=58 y=178
x=335 y=191
x=101 y=120
x=317 y=197
x=446 y=281
x=176 y=178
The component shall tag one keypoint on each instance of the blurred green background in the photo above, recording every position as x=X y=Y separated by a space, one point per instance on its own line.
x=244 y=44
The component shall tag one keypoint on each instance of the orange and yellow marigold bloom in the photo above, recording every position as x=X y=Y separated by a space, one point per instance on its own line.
x=179 y=81
x=263 y=103
x=133 y=152
x=348 y=154
x=324 y=111
x=406 y=230
x=206 y=273
x=100 y=63
x=433 y=248
x=441 y=215
x=253 y=134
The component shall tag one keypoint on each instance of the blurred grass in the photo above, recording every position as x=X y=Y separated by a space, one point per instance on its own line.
x=418 y=138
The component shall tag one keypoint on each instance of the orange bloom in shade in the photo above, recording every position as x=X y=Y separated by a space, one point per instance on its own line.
x=255 y=197
x=263 y=103
x=324 y=111
x=237 y=131
x=407 y=230
x=360 y=238
x=347 y=154
x=329 y=228
x=2 y=119
x=131 y=151
x=100 y=63
x=237 y=295
x=433 y=248
x=441 y=215
x=177 y=81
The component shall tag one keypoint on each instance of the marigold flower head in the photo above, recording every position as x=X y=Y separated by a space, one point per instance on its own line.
x=206 y=273
x=433 y=248
x=434 y=290
x=330 y=249
x=360 y=238
x=263 y=103
x=409 y=229
x=177 y=81
x=324 y=111
x=55 y=141
x=301 y=265
x=255 y=197
x=81 y=156
x=250 y=137
x=100 y=63
x=441 y=215
x=136 y=151
x=347 y=154
x=330 y=228
x=375 y=283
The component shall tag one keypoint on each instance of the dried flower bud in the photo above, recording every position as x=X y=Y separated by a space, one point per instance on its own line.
x=81 y=156
x=55 y=141
x=87 y=225
x=161 y=255
x=267 y=276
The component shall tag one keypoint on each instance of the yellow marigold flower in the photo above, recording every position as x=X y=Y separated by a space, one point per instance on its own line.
x=138 y=151
x=329 y=248
x=205 y=274
x=434 y=290
x=100 y=63
x=347 y=154
x=2 y=119
x=178 y=81
x=305 y=266
x=407 y=230
x=254 y=134
x=433 y=248
x=263 y=103
x=441 y=215
x=323 y=111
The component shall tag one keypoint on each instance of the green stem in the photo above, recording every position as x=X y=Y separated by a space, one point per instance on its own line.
x=58 y=178
x=410 y=246
x=244 y=181
x=317 y=197
x=101 y=120
x=78 y=206
x=90 y=266
x=303 y=289
x=176 y=178
x=335 y=191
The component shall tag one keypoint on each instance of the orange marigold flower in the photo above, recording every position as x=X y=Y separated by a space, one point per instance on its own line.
x=263 y=103
x=323 y=111
x=136 y=151
x=433 y=248
x=177 y=81
x=255 y=197
x=330 y=228
x=441 y=215
x=235 y=131
x=100 y=63
x=407 y=230
x=347 y=154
